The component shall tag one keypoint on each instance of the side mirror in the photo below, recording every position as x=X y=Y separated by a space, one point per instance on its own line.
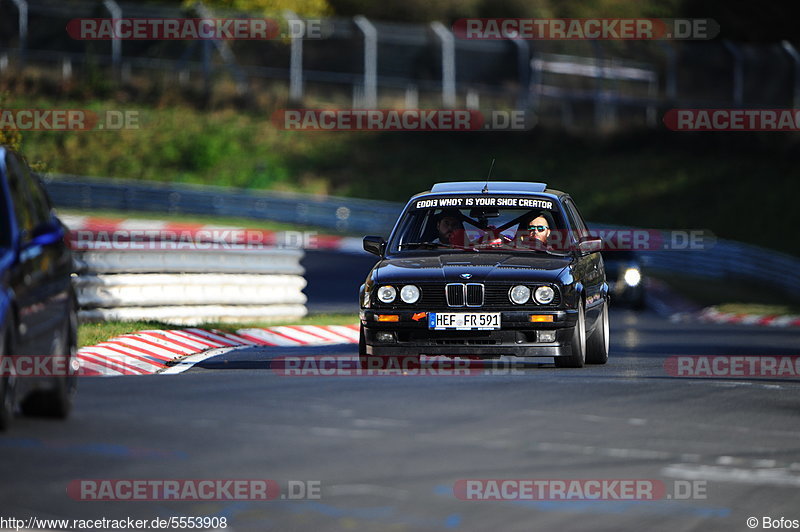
x=44 y=235
x=590 y=245
x=45 y=239
x=375 y=245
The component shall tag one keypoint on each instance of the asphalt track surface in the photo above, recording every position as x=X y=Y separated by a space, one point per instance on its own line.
x=387 y=450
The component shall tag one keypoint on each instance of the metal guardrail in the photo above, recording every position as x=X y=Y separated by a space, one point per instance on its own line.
x=158 y=289
x=330 y=212
x=227 y=261
x=187 y=285
x=378 y=60
x=137 y=285
x=726 y=259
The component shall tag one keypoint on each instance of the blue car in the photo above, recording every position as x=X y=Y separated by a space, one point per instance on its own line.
x=38 y=307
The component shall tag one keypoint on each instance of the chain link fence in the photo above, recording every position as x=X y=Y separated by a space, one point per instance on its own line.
x=367 y=64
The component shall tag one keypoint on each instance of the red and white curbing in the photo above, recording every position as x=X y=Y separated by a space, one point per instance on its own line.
x=154 y=351
x=196 y=232
x=713 y=315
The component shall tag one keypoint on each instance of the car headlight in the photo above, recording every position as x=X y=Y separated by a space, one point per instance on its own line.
x=519 y=294
x=387 y=293
x=632 y=277
x=409 y=293
x=544 y=295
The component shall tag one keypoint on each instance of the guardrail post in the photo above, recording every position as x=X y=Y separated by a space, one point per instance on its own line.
x=295 y=57
x=358 y=97
x=225 y=52
x=535 y=86
x=448 y=63
x=792 y=51
x=473 y=101
x=116 y=44
x=738 y=72
x=22 y=24
x=412 y=97
x=66 y=69
x=370 y=60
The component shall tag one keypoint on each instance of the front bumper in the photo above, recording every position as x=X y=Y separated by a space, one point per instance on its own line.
x=516 y=337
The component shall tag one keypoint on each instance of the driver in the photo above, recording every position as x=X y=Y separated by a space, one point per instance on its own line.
x=450 y=226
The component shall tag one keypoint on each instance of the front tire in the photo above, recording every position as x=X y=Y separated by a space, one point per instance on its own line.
x=365 y=360
x=597 y=346
x=57 y=402
x=6 y=382
x=577 y=357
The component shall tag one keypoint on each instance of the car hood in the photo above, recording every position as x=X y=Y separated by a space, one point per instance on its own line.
x=479 y=266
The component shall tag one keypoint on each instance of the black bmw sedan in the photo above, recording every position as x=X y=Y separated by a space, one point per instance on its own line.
x=487 y=269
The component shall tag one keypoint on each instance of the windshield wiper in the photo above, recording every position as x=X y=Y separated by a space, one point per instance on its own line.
x=550 y=252
x=421 y=244
x=434 y=245
x=524 y=249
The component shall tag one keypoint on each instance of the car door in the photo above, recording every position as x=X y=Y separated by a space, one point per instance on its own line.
x=37 y=277
x=56 y=263
x=589 y=266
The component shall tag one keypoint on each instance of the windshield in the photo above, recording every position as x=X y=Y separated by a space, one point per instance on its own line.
x=536 y=228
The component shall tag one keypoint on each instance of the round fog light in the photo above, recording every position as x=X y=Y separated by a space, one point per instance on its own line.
x=384 y=336
x=387 y=293
x=409 y=293
x=519 y=294
x=544 y=295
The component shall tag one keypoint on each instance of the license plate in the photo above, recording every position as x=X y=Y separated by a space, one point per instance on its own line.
x=464 y=321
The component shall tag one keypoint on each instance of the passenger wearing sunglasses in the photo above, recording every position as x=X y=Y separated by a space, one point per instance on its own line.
x=535 y=233
x=539 y=228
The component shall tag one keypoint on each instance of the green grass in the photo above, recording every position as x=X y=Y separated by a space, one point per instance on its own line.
x=94 y=333
x=247 y=223
x=748 y=308
x=645 y=178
